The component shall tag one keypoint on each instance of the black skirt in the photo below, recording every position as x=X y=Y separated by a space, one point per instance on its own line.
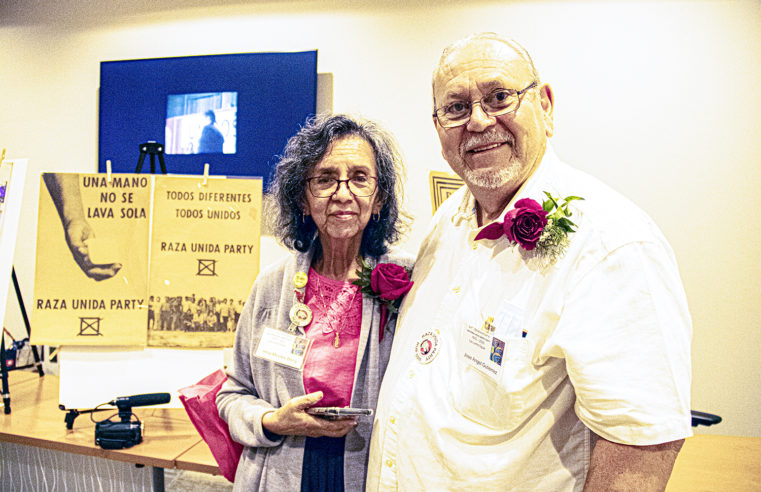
x=323 y=469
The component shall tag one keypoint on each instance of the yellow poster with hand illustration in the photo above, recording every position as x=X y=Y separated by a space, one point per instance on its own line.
x=92 y=258
x=204 y=259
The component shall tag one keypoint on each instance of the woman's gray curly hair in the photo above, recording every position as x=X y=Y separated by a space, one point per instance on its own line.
x=307 y=148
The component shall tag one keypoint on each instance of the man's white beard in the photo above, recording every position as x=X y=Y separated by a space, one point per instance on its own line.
x=490 y=178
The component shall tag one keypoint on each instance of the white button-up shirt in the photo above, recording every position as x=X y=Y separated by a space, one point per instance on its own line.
x=502 y=364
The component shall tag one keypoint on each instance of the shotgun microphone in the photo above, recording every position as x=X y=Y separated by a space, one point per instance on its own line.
x=126 y=432
x=140 y=400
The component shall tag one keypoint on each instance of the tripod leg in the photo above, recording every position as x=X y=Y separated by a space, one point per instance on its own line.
x=161 y=162
x=4 y=371
x=153 y=163
x=140 y=161
x=26 y=320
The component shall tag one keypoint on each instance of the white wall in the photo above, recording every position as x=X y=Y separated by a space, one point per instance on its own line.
x=659 y=99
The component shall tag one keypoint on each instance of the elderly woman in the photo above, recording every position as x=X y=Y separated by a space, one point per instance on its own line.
x=308 y=336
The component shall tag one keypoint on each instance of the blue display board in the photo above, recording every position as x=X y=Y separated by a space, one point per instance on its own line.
x=258 y=101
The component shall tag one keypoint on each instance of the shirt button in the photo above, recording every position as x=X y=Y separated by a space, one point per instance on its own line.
x=392 y=420
x=475 y=246
x=390 y=463
x=456 y=289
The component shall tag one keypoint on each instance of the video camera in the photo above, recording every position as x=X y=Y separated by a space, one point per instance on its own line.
x=126 y=432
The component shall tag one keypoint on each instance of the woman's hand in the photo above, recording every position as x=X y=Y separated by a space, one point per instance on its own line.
x=293 y=420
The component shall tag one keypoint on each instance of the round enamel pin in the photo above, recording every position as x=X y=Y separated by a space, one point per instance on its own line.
x=299 y=280
x=300 y=314
x=427 y=348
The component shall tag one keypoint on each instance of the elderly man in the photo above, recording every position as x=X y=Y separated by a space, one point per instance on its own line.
x=545 y=343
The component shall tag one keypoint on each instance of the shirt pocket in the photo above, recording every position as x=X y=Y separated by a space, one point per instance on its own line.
x=495 y=401
x=490 y=387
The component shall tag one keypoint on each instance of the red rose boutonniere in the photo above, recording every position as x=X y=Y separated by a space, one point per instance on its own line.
x=542 y=227
x=387 y=282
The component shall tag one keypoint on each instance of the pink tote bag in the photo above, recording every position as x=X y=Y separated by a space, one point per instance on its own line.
x=199 y=402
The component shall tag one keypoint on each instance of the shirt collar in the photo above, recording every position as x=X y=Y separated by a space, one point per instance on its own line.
x=466 y=211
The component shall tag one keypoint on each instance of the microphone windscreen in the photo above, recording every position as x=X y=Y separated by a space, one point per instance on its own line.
x=149 y=399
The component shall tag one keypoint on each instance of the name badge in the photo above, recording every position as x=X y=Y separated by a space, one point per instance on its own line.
x=283 y=348
x=483 y=350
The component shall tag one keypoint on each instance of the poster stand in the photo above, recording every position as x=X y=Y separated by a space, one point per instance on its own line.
x=4 y=369
x=3 y=366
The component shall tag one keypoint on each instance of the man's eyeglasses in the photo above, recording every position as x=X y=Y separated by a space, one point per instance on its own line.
x=326 y=186
x=496 y=103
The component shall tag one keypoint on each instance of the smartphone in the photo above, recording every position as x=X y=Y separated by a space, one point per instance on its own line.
x=333 y=413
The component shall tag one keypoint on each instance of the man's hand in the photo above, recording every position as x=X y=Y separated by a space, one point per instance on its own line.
x=292 y=420
x=621 y=468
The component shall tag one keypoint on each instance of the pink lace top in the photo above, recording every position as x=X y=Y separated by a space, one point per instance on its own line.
x=337 y=317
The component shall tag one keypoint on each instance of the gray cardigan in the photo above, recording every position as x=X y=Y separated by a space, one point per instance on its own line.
x=256 y=386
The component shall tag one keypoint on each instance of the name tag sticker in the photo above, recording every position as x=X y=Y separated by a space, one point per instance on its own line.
x=483 y=351
x=283 y=348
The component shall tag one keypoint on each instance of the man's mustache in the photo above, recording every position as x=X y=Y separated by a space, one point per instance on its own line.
x=489 y=137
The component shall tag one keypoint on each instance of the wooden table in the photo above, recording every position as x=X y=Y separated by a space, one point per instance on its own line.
x=198 y=458
x=706 y=463
x=711 y=463
x=36 y=420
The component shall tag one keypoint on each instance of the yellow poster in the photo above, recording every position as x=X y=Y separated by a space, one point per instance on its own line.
x=204 y=259
x=92 y=257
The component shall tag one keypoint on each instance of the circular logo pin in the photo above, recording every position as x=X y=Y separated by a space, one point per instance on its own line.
x=300 y=314
x=300 y=279
x=427 y=348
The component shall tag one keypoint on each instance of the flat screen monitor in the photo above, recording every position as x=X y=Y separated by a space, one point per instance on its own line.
x=234 y=112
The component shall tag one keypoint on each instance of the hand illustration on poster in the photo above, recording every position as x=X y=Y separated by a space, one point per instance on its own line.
x=65 y=193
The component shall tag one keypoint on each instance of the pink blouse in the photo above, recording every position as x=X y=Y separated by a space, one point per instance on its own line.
x=337 y=319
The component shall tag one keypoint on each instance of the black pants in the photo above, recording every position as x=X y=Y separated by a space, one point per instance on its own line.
x=323 y=469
